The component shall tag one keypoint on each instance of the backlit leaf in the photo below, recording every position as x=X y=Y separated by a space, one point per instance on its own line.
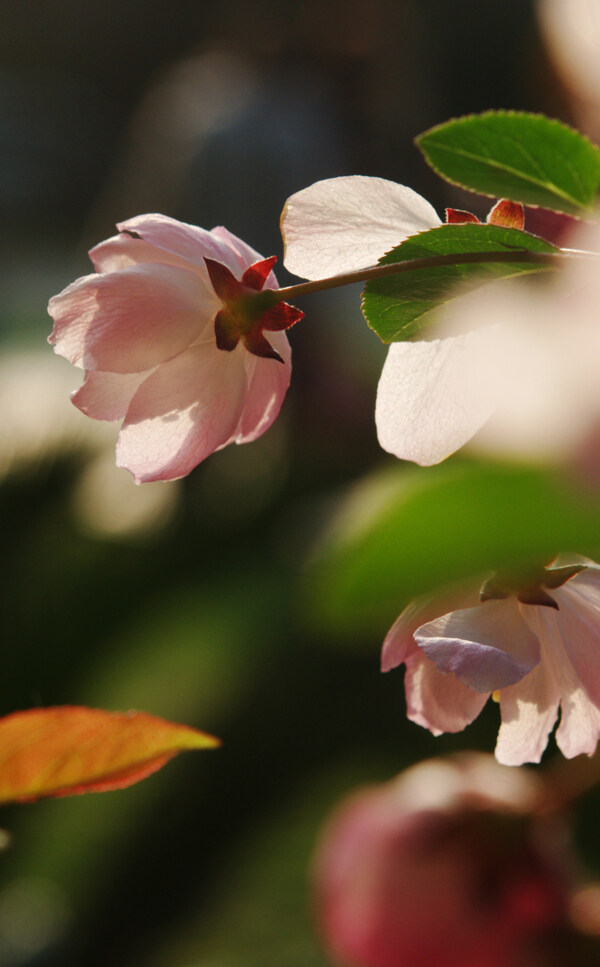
x=512 y=154
x=399 y=306
x=407 y=532
x=70 y=749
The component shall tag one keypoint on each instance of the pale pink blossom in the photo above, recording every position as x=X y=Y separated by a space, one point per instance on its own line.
x=434 y=394
x=143 y=330
x=536 y=650
x=441 y=867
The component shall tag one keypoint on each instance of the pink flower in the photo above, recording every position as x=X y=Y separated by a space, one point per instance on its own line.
x=442 y=866
x=434 y=394
x=533 y=645
x=143 y=329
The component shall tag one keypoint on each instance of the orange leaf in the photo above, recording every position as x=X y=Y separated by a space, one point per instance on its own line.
x=72 y=749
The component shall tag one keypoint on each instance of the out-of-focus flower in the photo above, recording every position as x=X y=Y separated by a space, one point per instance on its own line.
x=39 y=427
x=143 y=329
x=532 y=642
x=442 y=866
x=571 y=29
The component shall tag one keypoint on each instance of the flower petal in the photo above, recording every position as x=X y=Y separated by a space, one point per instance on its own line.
x=529 y=711
x=579 y=623
x=106 y=396
x=487 y=647
x=343 y=224
x=559 y=632
x=191 y=243
x=399 y=642
x=268 y=381
x=438 y=702
x=433 y=397
x=123 y=249
x=184 y=411
x=240 y=254
x=129 y=321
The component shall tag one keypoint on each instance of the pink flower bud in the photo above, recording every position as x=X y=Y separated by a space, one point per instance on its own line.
x=445 y=866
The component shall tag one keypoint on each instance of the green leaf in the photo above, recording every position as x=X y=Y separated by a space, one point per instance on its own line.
x=397 y=307
x=405 y=533
x=511 y=154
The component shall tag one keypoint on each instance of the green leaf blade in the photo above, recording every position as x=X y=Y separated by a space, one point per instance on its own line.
x=525 y=157
x=399 y=306
x=410 y=531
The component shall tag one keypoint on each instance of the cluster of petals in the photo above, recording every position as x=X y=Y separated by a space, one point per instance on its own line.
x=400 y=870
x=504 y=359
x=142 y=327
x=535 y=659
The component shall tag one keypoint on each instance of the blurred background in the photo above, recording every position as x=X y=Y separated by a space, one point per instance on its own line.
x=187 y=599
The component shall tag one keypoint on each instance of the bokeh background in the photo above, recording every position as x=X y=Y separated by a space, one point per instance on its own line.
x=188 y=599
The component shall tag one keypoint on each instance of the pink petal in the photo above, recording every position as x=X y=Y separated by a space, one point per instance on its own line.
x=487 y=647
x=440 y=703
x=529 y=711
x=433 y=397
x=579 y=622
x=129 y=321
x=106 y=396
x=243 y=254
x=190 y=242
x=268 y=381
x=343 y=224
x=579 y=728
x=188 y=408
x=122 y=250
x=399 y=642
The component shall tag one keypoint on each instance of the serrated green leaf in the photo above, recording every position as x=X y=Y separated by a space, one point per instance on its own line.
x=510 y=154
x=397 y=307
x=405 y=533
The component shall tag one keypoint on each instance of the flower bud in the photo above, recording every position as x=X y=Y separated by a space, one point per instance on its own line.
x=445 y=866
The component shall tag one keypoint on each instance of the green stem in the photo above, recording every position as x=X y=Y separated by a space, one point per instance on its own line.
x=549 y=259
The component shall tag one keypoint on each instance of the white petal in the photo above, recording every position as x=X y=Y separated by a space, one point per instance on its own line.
x=343 y=224
x=529 y=711
x=433 y=396
x=564 y=637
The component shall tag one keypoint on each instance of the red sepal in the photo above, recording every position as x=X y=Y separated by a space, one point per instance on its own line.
x=282 y=316
x=507 y=214
x=223 y=280
x=455 y=216
x=226 y=331
x=256 y=343
x=256 y=275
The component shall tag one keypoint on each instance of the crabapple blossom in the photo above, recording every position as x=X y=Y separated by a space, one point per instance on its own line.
x=443 y=865
x=170 y=331
x=434 y=395
x=532 y=643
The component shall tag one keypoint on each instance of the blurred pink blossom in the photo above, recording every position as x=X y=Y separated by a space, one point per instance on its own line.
x=143 y=329
x=441 y=866
x=536 y=650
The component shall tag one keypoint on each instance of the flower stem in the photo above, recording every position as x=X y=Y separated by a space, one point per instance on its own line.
x=549 y=259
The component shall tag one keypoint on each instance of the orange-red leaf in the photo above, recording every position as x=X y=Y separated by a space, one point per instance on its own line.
x=71 y=749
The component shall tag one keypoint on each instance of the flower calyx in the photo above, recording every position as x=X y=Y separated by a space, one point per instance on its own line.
x=505 y=214
x=529 y=586
x=248 y=310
